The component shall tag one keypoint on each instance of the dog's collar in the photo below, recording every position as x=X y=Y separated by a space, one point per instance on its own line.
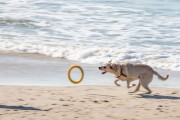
x=121 y=73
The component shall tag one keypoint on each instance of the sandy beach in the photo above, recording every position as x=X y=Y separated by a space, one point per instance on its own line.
x=35 y=87
x=87 y=103
x=40 y=40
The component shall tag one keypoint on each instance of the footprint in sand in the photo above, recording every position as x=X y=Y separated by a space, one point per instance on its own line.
x=95 y=101
x=54 y=104
x=65 y=105
x=73 y=100
x=20 y=99
x=61 y=100
x=23 y=116
x=53 y=93
x=146 y=109
x=160 y=106
x=105 y=101
x=32 y=99
x=173 y=93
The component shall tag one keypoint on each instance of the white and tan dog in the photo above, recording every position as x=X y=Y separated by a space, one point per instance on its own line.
x=130 y=72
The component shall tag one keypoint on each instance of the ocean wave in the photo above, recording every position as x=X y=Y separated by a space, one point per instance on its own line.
x=22 y=22
x=94 y=54
x=92 y=31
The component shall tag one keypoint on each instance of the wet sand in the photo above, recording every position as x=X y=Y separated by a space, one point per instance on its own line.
x=39 y=70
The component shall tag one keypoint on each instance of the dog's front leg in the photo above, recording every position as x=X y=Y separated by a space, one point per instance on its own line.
x=116 y=82
x=128 y=84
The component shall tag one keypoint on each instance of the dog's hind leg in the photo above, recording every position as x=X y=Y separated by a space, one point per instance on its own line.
x=145 y=80
x=138 y=87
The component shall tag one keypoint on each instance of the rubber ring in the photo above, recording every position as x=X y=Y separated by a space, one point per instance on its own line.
x=69 y=72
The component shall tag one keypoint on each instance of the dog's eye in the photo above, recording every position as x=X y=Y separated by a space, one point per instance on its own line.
x=104 y=67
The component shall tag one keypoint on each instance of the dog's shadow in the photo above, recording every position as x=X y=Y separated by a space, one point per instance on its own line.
x=150 y=96
x=20 y=108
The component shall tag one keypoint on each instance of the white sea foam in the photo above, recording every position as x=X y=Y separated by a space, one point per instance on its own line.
x=94 y=31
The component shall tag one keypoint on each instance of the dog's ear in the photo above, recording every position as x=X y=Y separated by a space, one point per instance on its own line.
x=114 y=67
x=111 y=67
x=110 y=61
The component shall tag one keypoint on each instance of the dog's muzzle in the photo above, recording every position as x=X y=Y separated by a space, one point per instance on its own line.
x=100 y=69
x=103 y=72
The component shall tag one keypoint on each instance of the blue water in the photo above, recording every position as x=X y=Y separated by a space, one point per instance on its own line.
x=94 y=31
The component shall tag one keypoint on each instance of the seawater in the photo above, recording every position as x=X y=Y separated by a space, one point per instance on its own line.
x=94 y=31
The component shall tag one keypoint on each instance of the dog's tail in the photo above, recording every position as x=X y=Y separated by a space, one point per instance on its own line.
x=160 y=77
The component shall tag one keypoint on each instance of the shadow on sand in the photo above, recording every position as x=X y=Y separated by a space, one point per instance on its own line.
x=159 y=97
x=20 y=108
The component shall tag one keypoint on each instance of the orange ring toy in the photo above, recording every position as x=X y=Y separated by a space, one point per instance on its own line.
x=69 y=72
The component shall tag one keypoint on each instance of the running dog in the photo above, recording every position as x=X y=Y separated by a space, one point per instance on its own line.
x=130 y=72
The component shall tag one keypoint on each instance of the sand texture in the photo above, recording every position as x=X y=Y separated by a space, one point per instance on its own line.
x=87 y=103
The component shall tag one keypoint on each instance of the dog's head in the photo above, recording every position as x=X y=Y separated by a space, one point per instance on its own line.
x=108 y=67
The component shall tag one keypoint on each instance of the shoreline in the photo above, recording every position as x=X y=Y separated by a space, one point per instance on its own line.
x=40 y=70
x=87 y=102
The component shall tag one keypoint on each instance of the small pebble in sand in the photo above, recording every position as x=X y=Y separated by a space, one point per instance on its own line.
x=32 y=99
x=65 y=105
x=54 y=104
x=95 y=101
x=160 y=106
x=173 y=93
x=105 y=101
x=61 y=100
x=20 y=99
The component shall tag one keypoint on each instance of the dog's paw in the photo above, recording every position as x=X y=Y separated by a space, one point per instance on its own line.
x=133 y=84
x=118 y=85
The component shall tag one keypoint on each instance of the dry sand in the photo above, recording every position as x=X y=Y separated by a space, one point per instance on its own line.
x=87 y=103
